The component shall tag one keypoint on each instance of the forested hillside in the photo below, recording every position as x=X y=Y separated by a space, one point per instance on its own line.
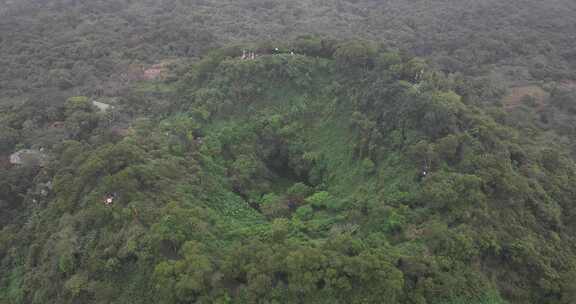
x=81 y=43
x=263 y=151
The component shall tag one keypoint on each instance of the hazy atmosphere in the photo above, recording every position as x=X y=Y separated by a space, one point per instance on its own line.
x=300 y=151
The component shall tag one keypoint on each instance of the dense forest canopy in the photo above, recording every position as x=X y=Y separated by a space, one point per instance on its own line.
x=264 y=151
x=81 y=43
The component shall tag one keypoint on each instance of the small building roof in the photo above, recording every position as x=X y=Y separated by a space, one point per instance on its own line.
x=101 y=106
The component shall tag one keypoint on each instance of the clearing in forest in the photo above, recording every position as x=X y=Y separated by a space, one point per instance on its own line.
x=568 y=84
x=518 y=94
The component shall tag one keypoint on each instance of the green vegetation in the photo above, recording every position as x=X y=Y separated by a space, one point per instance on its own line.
x=93 y=46
x=298 y=178
x=332 y=170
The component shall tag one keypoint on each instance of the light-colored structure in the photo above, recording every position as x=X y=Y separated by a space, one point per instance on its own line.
x=101 y=106
x=154 y=72
x=29 y=157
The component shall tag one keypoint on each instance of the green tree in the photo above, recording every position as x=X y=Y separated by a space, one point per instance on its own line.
x=355 y=55
x=186 y=280
x=9 y=137
x=319 y=199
